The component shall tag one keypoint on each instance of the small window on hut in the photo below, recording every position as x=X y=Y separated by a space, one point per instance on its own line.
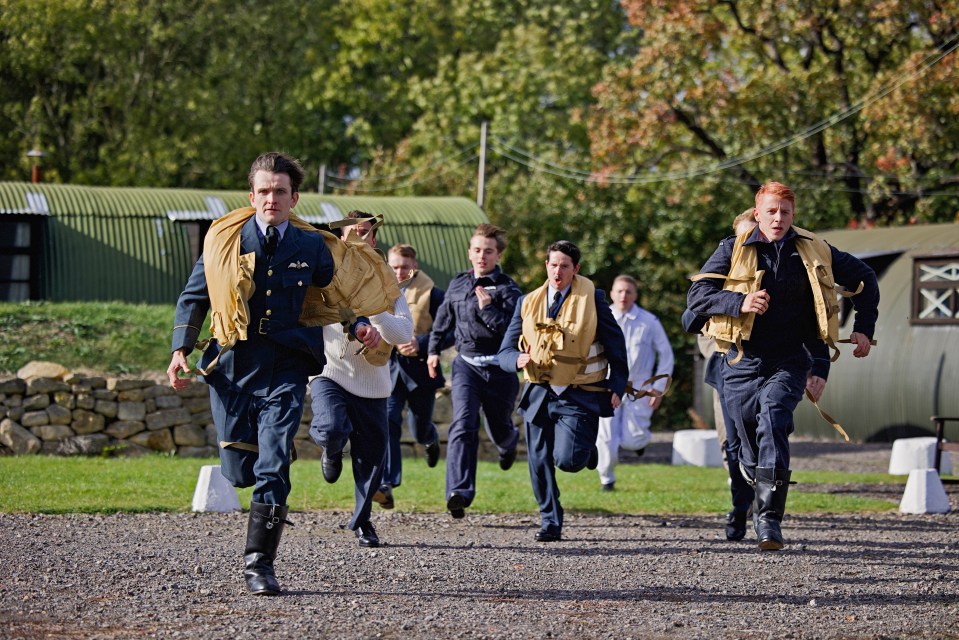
x=15 y=259
x=935 y=289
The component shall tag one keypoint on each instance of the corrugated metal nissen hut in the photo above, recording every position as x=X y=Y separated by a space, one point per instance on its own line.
x=911 y=374
x=69 y=243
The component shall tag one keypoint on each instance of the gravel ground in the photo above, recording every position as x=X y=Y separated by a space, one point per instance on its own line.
x=178 y=575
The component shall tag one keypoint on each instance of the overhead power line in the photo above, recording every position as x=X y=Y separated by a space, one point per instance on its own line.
x=583 y=175
x=399 y=176
x=347 y=183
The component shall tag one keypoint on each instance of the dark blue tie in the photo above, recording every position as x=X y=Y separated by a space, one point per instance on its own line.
x=272 y=239
x=557 y=302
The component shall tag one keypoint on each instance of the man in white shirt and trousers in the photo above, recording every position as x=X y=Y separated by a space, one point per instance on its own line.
x=646 y=346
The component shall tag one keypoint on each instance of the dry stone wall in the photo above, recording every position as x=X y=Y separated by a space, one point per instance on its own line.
x=47 y=409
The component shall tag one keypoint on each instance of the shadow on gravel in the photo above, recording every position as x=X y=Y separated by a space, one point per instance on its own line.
x=678 y=594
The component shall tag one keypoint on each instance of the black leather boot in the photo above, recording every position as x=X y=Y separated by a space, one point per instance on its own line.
x=742 y=498
x=262 y=539
x=772 y=487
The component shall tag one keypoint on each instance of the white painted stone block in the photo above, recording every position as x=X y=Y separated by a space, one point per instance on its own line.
x=214 y=492
x=924 y=493
x=909 y=454
x=697 y=447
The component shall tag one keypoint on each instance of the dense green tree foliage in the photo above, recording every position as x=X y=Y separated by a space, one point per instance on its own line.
x=637 y=129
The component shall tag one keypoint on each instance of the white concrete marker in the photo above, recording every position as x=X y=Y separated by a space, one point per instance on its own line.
x=214 y=492
x=924 y=493
x=917 y=453
x=697 y=447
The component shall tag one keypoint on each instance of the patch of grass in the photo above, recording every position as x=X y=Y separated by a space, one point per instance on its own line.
x=110 y=337
x=41 y=484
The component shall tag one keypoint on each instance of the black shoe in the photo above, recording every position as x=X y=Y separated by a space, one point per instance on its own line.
x=366 y=536
x=593 y=461
x=456 y=505
x=384 y=496
x=332 y=465
x=608 y=486
x=736 y=525
x=640 y=452
x=506 y=459
x=433 y=453
x=548 y=535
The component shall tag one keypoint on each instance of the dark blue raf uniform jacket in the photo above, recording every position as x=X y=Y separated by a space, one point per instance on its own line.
x=477 y=332
x=278 y=349
x=534 y=396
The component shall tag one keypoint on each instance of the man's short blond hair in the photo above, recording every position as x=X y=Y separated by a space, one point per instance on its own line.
x=749 y=215
x=628 y=279
x=405 y=250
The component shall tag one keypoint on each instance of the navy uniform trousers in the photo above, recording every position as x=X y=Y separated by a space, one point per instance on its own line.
x=562 y=435
x=270 y=421
x=473 y=388
x=742 y=492
x=420 y=400
x=340 y=417
x=760 y=395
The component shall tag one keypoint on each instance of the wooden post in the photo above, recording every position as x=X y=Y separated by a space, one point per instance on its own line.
x=481 y=178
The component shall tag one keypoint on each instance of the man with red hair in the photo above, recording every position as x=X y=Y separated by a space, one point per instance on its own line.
x=768 y=294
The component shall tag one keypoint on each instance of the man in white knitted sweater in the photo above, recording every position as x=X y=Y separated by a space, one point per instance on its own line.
x=349 y=403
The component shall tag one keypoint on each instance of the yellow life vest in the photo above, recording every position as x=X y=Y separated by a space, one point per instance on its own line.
x=564 y=349
x=417 y=295
x=362 y=284
x=745 y=278
x=229 y=282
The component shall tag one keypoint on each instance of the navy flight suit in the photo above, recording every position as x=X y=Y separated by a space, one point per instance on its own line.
x=477 y=381
x=761 y=390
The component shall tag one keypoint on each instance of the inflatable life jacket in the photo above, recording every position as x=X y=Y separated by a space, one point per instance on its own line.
x=563 y=350
x=362 y=284
x=417 y=295
x=745 y=278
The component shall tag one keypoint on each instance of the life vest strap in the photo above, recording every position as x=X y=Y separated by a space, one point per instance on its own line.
x=828 y=418
x=643 y=391
x=848 y=294
x=591 y=387
x=223 y=349
x=739 y=350
x=718 y=276
x=350 y=222
x=246 y=446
